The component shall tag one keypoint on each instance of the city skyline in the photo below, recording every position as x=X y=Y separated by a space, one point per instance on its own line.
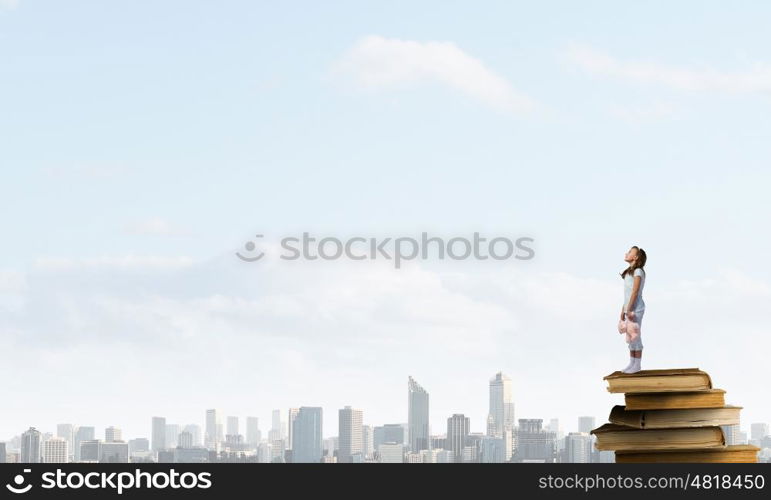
x=78 y=442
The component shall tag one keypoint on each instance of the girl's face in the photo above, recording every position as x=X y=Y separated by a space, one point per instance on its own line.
x=630 y=255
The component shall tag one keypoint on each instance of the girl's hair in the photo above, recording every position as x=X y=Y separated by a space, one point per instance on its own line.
x=639 y=263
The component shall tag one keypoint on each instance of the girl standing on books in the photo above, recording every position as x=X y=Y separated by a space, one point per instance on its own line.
x=634 y=308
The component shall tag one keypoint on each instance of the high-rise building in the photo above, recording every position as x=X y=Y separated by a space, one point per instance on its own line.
x=458 y=428
x=67 y=432
x=264 y=453
x=232 y=426
x=586 y=424
x=349 y=434
x=89 y=450
x=758 y=431
x=276 y=431
x=417 y=408
x=367 y=441
x=3 y=458
x=113 y=453
x=172 y=436
x=307 y=445
x=30 y=446
x=112 y=435
x=253 y=431
x=55 y=451
x=492 y=450
x=501 y=405
x=388 y=433
x=158 y=436
x=82 y=433
x=732 y=434
x=185 y=440
x=138 y=445
x=534 y=444
x=578 y=447
x=213 y=436
x=195 y=431
x=292 y=414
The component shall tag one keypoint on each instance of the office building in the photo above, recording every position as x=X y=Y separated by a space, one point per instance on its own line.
x=350 y=423
x=417 y=411
x=307 y=441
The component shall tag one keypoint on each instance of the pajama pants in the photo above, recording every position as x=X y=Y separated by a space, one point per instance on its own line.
x=636 y=343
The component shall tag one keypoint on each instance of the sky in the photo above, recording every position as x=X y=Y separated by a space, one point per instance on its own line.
x=143 y=143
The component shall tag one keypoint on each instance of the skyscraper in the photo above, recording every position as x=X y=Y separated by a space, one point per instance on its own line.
x=83 y=433
x=67 y=432
x=586 y=424
x=758 y=431
x=367 y=441
x=458 y=428
x=307 y=438
x=158 y=436
x=195 y=432
x=732 y=434
x=212 y=438
x=185 y=440
x=292 y=414
x=172 y=436
x=533 y=442
x=349 y=434
x=578 y=448
x=112 y=435
x=253 y=431
x=232 y=426
x=55 y=451
x=417 y=408
x=501 y=416
x=89 y=450
x=276 y=431
x=113 y=453
x=30 y=446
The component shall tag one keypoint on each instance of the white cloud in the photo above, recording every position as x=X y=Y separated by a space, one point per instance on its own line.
x=654 y=111
x=8 y=4
x=335 y=333
x=375 y=62
x=155 y=226
x=111 y=264
x=755 y=79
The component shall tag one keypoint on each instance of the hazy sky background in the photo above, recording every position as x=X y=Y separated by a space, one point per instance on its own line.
x=142 y=143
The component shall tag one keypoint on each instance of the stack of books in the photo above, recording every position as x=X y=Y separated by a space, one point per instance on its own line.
x=670 y=416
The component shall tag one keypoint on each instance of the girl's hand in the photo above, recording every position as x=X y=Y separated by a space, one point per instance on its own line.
x=622 y=315
x=630 y=315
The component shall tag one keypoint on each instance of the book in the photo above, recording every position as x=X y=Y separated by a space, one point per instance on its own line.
x=622 y=437
x=712 y=398
x=679 y=417
x=738 y=453
x=673 y=379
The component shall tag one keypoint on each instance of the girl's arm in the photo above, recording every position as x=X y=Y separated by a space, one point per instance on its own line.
x=633 y=296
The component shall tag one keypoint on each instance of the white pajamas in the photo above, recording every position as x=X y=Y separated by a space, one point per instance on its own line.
x=638 y=307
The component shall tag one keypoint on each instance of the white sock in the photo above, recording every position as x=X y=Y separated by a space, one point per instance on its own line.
x=631 y=361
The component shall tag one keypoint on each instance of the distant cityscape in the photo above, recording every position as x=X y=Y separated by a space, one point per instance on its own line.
x=295 y=436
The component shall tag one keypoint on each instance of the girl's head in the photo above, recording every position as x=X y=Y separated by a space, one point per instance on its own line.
x=636 y=258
